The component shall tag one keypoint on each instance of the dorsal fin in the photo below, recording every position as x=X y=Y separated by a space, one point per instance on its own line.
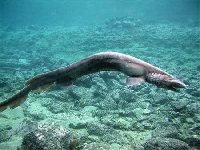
x=33 y=79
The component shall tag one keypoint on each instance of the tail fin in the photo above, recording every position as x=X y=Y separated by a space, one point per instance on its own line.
x=19 y=98
x=12 y=102
x=15 y=100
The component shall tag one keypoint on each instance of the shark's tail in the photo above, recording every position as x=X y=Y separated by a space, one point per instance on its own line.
x=15 y=100
x=20 y=97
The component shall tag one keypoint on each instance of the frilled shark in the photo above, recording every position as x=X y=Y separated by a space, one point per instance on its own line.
x=137 y=71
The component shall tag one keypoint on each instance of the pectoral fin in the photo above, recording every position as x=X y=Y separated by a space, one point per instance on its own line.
x=131 y=81
x=64 y=82
x=42 y=88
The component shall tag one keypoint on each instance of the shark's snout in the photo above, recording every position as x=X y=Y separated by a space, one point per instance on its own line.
x=176 y=83
x=182 y=85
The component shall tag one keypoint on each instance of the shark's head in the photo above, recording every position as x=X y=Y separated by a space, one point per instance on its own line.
x=173 y=83
x=165 y=81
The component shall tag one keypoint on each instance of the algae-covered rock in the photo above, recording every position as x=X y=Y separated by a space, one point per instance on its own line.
x=193 y=91
x=169 y=131
x=179 y=105
x=165 y=144
x=26 y=126
x=49 y=137
x=5 y=133
x=55 y=106
x=193 y=141
x=97 y=129
x=96 y=145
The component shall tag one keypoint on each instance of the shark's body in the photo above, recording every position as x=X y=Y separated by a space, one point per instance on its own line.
x=136 y=69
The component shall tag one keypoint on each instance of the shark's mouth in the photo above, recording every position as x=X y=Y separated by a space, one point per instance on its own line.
x=175 y=89
x=164 y=81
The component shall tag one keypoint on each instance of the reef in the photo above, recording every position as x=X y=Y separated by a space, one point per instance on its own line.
x=123 y=23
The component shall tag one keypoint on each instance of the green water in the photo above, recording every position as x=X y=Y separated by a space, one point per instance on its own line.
x=99 y=110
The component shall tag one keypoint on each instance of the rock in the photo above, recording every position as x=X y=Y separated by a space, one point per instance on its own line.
x=179 y=105
x=147 y=126
x=78 y=94
x=193 y=108
x=169 y=132
x=26 y=126
x=96 y=146
x=190 y=120
x=193 y=141
x=146 y=111
x=5 y=133
x=104 y=105
x=193 y=91
x=198 y=68
x=165 y=144
x=196 y=93
x=3 y=128
x=85 y=81
x=78 y=125
x=55 y=106
x=97 y=129
x=49 y=137
x=125 y=113
x=3 y=84
x=127 y=96
x=123 y=23
x=115 y=146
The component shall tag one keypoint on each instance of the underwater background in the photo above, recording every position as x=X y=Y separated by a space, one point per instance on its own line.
x=99 y=112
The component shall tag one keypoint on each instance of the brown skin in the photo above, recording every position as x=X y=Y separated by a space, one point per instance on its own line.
x=104 y=61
